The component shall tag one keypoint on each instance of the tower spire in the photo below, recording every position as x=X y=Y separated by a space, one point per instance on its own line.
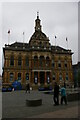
x=37 y=14
x=37 y=23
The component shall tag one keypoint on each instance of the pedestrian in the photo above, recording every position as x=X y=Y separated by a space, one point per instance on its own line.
x=56 y=94
x=63 y=95
x=64 y=84
x=28 y=88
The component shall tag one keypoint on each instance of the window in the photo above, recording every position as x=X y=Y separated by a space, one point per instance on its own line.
x=27 y=61
x=60 y=76
x=19 y=61
x=19 y=76
x=11 y=76
x=59 y=64
x=54 y=76
x=40 y=44
x=66 y=76
x=36 y=77
x=53 y=64
x=12 y=61
x=35 y=80
x=35 y=61
x=47 y=61
x=65 y=64
x=48 y=79
x=41 y=61
x=27 y=76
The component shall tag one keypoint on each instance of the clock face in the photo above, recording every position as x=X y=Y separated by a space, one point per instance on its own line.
x=38 y=28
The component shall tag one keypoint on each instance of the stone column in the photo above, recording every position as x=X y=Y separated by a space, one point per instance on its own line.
x=57 y=76
x=32 y=78
x=5 y=64
x=23 y=77
x=29 y=76
x=15 y=76
x=38 y=62
x=4 y=77
x=64 y=76
x=38 y=78
x=16 y=61
x=23 y=63
x=45 y=62
x=50 y=77
x=8 y=77
x=32 y=63
x=45 y=78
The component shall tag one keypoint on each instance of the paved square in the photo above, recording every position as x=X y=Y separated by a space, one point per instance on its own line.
x=14 y=106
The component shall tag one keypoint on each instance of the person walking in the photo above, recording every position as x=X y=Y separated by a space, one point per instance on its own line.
x=63 y=95
x=56 y=94
x=28 y=88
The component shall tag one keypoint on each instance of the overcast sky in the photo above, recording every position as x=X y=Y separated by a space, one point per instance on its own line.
x=57 y=18
x=79 y=31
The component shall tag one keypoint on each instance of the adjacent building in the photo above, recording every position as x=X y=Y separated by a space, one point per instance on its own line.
x=76 y=74
x=37 y=62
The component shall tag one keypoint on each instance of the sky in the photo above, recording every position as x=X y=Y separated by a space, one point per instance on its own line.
x=57 y=18
x=79 y=31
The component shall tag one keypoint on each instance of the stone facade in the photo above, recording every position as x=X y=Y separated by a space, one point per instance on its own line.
x=76 y=74
x=37 y=62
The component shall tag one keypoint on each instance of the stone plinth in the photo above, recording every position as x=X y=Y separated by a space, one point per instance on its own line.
x=73 y=96
x=34 y=102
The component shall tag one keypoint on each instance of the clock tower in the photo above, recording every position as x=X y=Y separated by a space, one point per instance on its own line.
x=37 y=23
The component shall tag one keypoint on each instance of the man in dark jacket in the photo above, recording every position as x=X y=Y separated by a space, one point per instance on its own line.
x=56 y=94
x=28 y=88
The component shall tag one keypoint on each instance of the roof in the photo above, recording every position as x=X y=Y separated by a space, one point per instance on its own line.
x=25 y=46
x=38 y=35
x=60 y=50
x=17 y=46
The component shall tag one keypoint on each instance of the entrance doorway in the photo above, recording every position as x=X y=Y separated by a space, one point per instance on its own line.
x=42 y=77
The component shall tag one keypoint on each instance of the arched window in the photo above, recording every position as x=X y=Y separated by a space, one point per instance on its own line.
x=47 y=61
x=59 y=64
x=41 y=61
x=27 y=76
x=27 y=61
x=40 y=44
x=48 y=77
x=12 y=60
x=11 y=76
x=19 y=76
x=35 y=77
x=19 y=61
x=54 y=77
x=35 y=60
x=60 y=76
x=65 y=64
x=53 y=64
x=67 y=76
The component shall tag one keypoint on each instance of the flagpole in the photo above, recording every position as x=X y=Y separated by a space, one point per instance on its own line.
x=67 y=42
x=8 y=39
x=23 y=40
x=8 y=36
x=23 y=37
x=55 y=41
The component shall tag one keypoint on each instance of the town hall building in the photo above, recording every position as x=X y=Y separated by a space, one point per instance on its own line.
x=37 y=62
